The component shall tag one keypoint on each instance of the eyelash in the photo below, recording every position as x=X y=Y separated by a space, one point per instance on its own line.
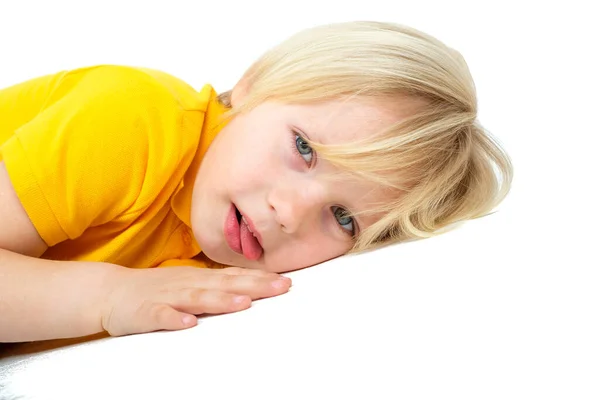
x=294 y=137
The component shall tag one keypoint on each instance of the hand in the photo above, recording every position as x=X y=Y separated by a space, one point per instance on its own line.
x=145 y=300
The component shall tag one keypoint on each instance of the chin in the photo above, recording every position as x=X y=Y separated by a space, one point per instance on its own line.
x=209 y=245
x=217 y=251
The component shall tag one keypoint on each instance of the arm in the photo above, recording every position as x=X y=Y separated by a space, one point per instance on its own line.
x=41 y=299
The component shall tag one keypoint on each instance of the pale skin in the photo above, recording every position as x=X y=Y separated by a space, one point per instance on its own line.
x=282 y=185
x=284 y=193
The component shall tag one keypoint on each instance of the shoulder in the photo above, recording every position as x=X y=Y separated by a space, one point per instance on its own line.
x=140 y=80
x=99 y=82
x=132 y=87
x=180 y=90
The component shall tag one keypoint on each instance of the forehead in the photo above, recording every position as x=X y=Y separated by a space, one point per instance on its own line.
x=348 y=120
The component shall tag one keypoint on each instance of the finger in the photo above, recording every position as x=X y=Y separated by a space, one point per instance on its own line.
x=254 y=286
x=248 y=271
x=165 y=317
x=201 y=301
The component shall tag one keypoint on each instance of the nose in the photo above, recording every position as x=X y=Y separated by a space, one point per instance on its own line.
x=297 y=204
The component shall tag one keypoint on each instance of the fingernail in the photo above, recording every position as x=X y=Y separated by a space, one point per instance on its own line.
x=281 y=283
x=187 y=320
x=239 y=299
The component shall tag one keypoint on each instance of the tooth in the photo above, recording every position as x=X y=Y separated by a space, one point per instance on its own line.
x=246 y=222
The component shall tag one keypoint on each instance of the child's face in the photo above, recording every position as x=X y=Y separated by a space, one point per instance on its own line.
x=259 y=163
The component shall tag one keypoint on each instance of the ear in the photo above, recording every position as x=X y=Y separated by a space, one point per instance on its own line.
x=238 y=94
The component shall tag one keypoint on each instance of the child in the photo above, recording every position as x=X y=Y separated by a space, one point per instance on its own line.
x=343 y=138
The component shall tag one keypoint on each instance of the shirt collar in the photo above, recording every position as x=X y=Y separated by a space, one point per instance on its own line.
x=181 y=202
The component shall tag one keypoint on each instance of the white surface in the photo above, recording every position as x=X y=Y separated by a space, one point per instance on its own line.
x=506 y=307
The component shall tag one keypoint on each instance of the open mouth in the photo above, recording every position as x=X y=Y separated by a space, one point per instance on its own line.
x=240 y=237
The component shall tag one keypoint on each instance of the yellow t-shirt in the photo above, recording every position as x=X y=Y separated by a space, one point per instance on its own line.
x=103 y=159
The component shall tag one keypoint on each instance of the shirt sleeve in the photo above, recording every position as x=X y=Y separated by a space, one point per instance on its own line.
x=79 y=155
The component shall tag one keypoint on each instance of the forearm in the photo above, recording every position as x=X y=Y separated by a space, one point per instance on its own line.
x=42 y=299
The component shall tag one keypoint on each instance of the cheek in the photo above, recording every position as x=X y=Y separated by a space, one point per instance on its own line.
x=305 y=253
x=254 y=162
x=247 y=176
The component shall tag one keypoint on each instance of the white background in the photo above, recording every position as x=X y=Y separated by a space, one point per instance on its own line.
x=506 y=307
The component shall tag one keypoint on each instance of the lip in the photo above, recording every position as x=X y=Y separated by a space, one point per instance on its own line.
x=231 y=231
x=252 y=228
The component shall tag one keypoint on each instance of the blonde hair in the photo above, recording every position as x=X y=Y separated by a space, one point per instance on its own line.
x=445 y=167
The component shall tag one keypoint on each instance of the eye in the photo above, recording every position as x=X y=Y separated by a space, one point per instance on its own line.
x=344 y=220
x=304 y=149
